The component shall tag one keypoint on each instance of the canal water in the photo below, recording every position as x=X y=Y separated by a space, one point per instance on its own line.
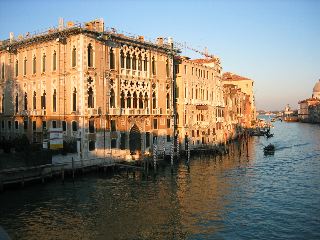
x=236 y=197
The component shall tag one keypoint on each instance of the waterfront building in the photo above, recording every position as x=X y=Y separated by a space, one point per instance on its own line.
x=237 y=108
x=99 y=93
x=309 y=109
x=247 y=86
x=200 y=104
x=104 y=91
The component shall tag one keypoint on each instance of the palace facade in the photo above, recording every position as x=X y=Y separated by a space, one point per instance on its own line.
x=113 y=94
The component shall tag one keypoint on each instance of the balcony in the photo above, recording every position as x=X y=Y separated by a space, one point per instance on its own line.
x=24 y=113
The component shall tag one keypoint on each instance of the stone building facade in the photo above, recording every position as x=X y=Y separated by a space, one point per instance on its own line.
x=309 y=109
x=200 y=105
x=246 y=86
x=104 y=90
x=110 y=94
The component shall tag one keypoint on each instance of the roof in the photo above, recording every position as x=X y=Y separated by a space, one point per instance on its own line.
x=316 y=87
x=228 y=76
x=203 y=60
x=309 y=100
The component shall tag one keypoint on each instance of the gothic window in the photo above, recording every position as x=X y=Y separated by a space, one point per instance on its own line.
x=54 y=101
x=154 y=101
x=25 y=66
x=122 y=59
x=90 y=55
x=34 y=65
x=128 y=100
x=153 y=66
x=168 y=101
x=43 y=62
x=112 y=64
x=134 y=62
x=34 y=100
x=74 y=100
x=140 y=100
x=74 y=126
x=167 y=68
x=17 y=68
x=54 y=61
x=145 y=64
x=91 y=125
x=90 y=98
x=139 y=62
x=128 y=61
x=43 y=100
x=122 y=100
x=17 y=102
x=25 y=101
x=146 y=100
x=112 y=99
x=135 y=100
x=74 y=57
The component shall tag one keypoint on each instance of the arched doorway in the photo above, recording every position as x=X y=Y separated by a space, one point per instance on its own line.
x=134 y=139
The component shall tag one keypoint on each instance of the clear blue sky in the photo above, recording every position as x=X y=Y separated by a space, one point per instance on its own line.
x=275 y=43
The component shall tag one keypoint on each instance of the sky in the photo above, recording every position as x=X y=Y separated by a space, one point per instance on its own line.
x=275 y=43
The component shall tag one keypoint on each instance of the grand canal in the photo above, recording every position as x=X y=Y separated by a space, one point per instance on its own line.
x=246 y=197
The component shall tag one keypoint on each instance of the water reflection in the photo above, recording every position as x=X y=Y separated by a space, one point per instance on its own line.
x=233 y=197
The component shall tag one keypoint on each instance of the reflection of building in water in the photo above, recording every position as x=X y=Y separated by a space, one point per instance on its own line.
x=105 y=92
x=309 y=109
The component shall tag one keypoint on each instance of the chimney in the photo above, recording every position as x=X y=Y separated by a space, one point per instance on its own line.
x=170 y=41
x=61 y=24
x=141 y=38
x=11 y=37
x=160 y=41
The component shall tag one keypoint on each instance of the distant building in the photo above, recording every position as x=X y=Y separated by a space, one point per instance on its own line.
x=309 y=109
x=247 y=86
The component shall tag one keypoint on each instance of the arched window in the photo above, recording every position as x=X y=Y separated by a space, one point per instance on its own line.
x=128 y=61
x=90 y=98
x=122 y=59
x=154 y=101
x=112 y=63
x=44 y=62
x=139 y=62
x=74 y=126
x=54 y=61
x=122 y=100
x=90 y=55
x=34 y=65
x=146 y=100
x=135 y=100
x=153 y=66
x=168 y=101
x=25 y=66
x=140 y=100
x=74 y=57
x=34 y=100
x=43 y=100
x=54 y=101
x=167 y=68
x=17 y=68
x=112 y=99
x=74 y=100
x=128 y=100
x=145 y=63
x=25 y=101
x=17 y=102
x=196 y=92
x=134 y=62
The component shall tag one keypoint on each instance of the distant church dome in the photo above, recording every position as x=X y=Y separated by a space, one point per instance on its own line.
x=316 y=90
